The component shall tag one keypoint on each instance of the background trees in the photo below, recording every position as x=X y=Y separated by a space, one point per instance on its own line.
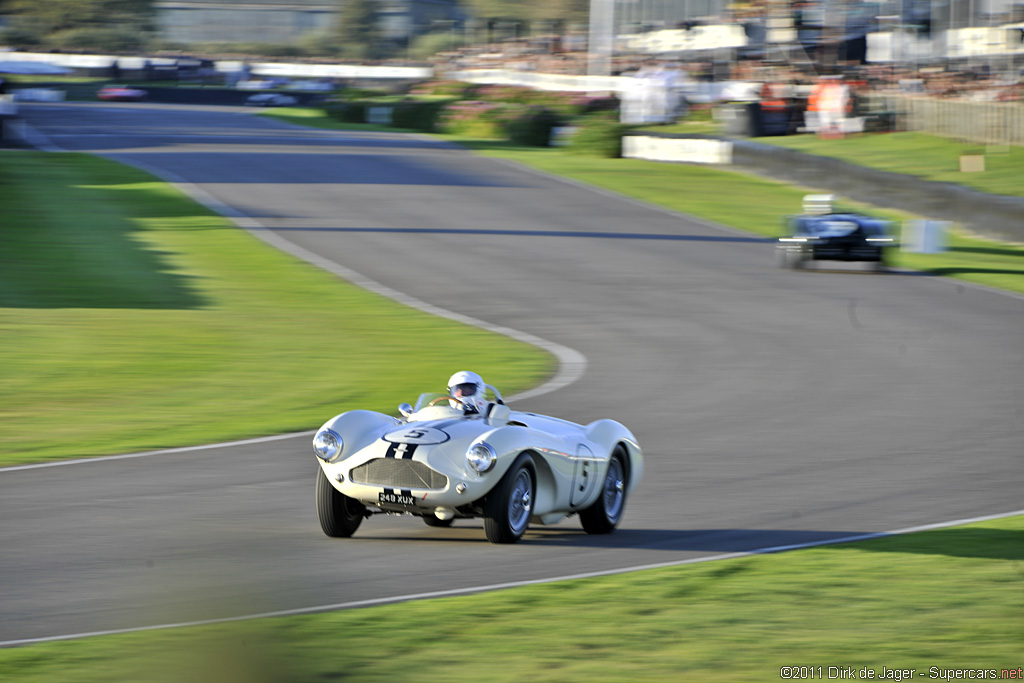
x=115 y=25
x=364 y=29
x=358 y=35
x=531 y=12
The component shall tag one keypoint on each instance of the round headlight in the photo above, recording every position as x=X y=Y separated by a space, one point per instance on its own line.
x=326 y=445
x=481 y=457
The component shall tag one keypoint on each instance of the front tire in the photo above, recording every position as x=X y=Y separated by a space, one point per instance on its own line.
x=605 y=514
x=510 y=504
x=339 y=515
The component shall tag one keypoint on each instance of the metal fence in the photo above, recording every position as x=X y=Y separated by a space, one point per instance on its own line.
x=982 y=123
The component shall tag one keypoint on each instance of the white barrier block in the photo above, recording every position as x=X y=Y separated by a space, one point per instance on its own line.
x=924 y=237
x=690 y=150
x=561 y=135
x=379 y=115
x=38 y=95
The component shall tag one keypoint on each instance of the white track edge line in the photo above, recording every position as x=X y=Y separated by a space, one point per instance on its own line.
x=458 y=592
x=163 y=451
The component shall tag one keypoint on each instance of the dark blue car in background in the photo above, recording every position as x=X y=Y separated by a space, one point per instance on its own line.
x=821 y=235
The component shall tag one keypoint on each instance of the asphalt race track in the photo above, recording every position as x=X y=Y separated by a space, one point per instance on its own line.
x=774 y=407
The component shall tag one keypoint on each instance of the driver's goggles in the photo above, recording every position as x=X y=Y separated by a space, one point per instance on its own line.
x=463 y=389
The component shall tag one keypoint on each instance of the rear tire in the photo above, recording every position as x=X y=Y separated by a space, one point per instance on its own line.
x=605 y=514
x=510 y=504
x=339 y=515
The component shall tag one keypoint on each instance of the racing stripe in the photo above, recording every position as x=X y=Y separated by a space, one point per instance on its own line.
x=402 y=451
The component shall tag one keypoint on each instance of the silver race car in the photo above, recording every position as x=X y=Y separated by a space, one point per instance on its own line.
x=440 y=463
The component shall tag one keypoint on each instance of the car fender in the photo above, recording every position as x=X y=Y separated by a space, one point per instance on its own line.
x=358 y=429
x=551 y=464
x=608 y=434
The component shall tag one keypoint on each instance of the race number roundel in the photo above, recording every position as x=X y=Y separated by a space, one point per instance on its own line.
x=417 y=435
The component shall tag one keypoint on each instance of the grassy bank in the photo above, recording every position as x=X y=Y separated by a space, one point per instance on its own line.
x=925 y=156
x=930 y=602
x=132 y=319
x=918 y=154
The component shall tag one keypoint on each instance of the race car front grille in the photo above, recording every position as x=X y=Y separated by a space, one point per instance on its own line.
x=397 y=473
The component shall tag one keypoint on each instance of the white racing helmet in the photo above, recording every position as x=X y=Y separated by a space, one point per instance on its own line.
x=469 y=388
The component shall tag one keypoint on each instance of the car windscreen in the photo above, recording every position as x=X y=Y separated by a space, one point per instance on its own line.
x=828 y=226
x=425 y=399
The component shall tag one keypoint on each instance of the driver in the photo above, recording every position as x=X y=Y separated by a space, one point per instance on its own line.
x=469 y=388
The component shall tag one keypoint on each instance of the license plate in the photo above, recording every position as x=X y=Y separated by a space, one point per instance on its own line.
x=399 y=499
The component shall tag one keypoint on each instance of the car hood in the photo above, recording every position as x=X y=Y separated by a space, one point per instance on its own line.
x=460 y=431
x=440 y=443
x=443 y=443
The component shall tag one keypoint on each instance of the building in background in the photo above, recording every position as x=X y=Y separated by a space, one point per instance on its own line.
x=286 y=21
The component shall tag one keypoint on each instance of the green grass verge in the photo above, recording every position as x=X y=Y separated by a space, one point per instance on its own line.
x=712 y=194
x=951 y=599
x=132 y=318
x=314 y=117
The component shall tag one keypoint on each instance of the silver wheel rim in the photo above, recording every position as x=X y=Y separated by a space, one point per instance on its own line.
x=614 y=490
x=520 y=501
